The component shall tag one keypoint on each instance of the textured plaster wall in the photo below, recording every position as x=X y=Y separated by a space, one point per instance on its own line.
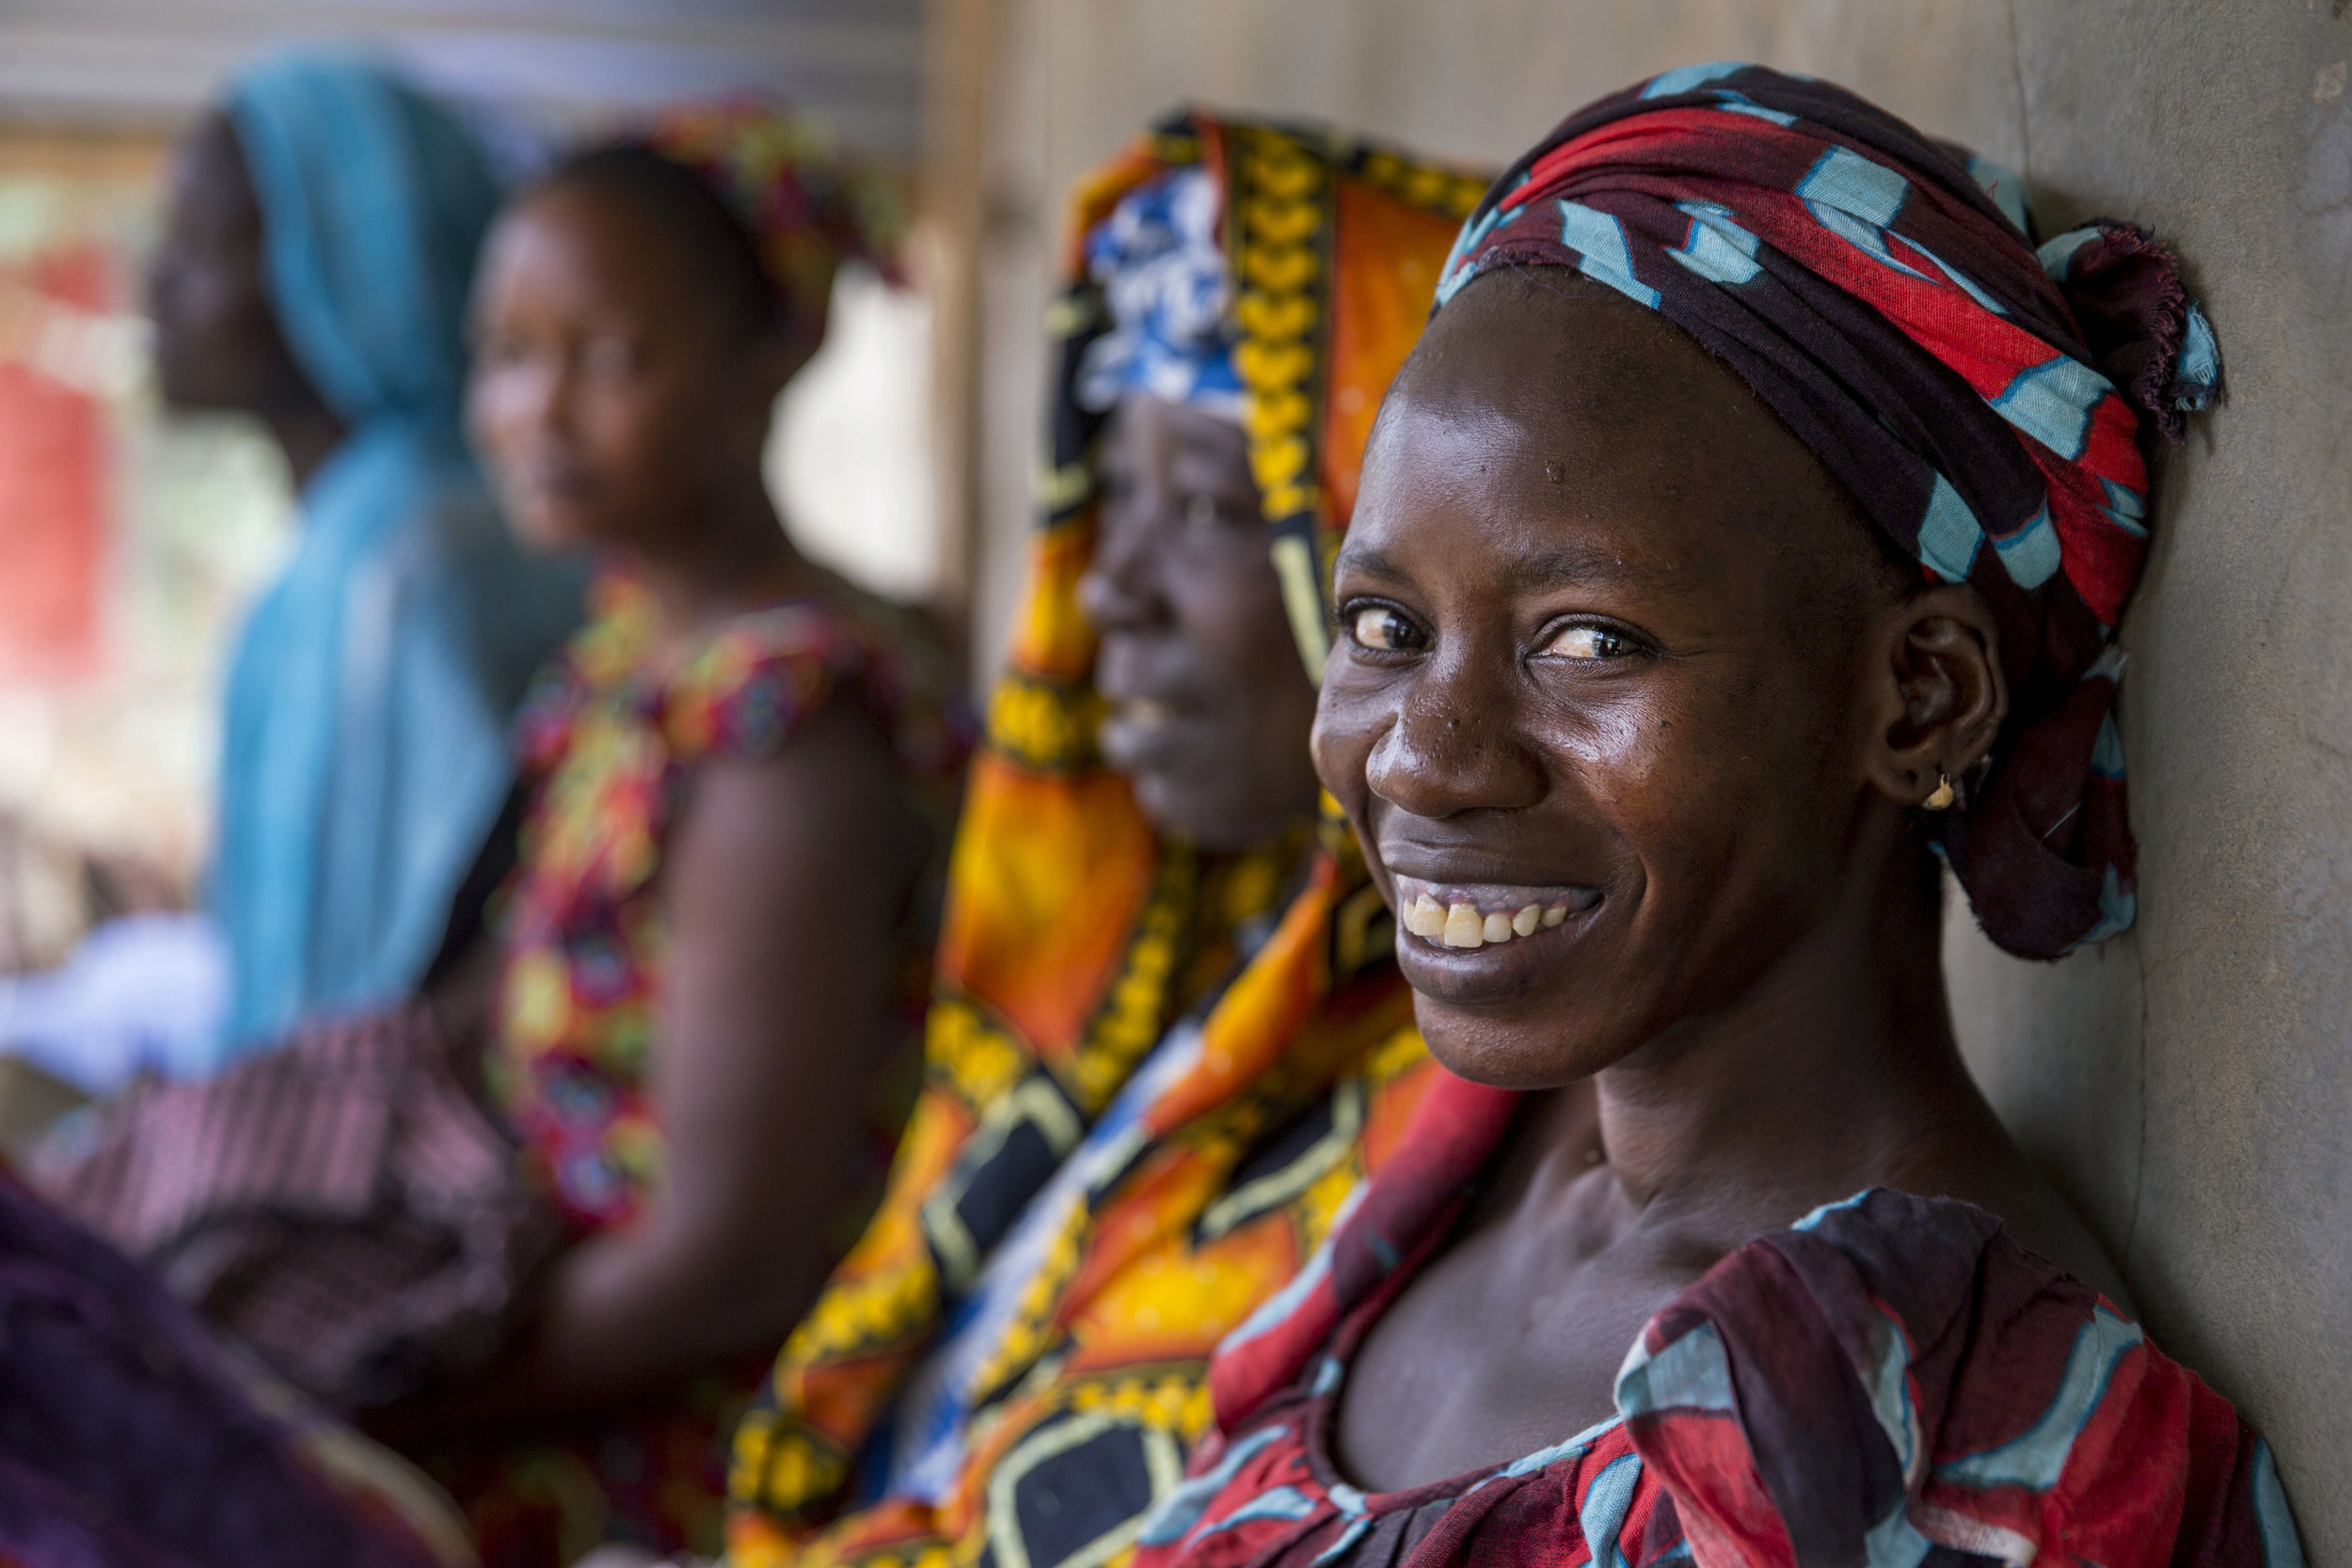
x=2190 y=1085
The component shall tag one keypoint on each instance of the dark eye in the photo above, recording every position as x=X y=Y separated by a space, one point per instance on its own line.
x=610 y=356
x=1384 y=630
x=496 y=350
x=1203 y=510
x=1587 y=642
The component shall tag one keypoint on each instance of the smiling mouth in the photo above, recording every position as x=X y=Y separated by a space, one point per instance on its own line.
x=559 y=486
x=1141 y=733
x=1143 y=712
x=1131 y=722
x=1469 y=915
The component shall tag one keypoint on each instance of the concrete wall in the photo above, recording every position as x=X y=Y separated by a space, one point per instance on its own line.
x=2189 y=1086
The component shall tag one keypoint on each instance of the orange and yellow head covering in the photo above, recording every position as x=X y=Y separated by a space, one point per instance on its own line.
x=1074 y=934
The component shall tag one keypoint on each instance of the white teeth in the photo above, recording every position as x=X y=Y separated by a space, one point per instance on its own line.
x=1461 y=923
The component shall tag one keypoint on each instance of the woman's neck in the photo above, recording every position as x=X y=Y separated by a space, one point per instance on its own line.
x=1835 y=1071
x=734 y=556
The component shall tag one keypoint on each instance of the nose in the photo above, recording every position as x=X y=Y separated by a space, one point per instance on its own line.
x=1122 y=588
x=1452 y=744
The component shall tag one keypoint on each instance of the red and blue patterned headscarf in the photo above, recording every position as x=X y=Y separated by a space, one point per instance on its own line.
x=1983 y=400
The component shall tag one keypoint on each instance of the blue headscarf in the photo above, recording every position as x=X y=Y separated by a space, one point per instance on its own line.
x=365 y=757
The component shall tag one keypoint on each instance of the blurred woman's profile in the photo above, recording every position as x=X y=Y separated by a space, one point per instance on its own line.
x=322 y=229
x=714 y=954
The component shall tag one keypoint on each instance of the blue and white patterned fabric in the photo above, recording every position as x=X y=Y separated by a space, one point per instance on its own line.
x=1164 y=276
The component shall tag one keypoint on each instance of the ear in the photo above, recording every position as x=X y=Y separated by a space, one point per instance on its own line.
x=768 y=363
x=1942 y=692
x=776 y=358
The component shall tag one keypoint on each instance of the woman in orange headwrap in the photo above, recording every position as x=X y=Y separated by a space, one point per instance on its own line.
x=1166 y=1034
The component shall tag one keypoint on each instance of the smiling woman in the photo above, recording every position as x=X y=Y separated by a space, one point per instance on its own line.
x=1685 y=697
x=1754 y=492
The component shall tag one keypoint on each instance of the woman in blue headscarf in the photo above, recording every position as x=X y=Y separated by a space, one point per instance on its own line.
x=323 y=234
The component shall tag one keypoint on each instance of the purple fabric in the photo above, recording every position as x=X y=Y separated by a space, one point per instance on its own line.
x=126 y=1440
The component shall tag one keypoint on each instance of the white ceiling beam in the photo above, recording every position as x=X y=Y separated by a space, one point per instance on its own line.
x=160 y=59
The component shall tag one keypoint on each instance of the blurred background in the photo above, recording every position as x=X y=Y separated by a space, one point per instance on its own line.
x=131 y=543
x=2188 y=1085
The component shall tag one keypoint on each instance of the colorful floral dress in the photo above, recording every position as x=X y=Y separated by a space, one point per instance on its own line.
x=610 y=738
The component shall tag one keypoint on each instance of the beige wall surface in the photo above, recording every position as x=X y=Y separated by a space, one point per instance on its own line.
x=2189 y=1084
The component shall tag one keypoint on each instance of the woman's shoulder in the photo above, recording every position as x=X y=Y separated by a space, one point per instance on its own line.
x=1896 y=1366
x=1890 y=1375
x=748 y=684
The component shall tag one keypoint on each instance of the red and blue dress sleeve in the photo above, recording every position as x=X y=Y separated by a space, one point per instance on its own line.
x=1894 y=1381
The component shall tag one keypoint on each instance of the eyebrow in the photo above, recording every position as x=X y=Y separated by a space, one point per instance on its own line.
x=1562 y=566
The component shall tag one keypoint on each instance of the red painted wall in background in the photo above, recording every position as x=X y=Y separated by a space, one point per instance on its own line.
x=55 y=468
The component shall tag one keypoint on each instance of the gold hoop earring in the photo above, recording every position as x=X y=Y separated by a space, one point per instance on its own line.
x=1944 y=794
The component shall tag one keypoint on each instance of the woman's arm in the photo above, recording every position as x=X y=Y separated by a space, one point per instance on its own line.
x=783 y=882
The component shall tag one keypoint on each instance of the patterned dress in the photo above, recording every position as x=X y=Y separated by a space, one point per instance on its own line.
x=611 y=738
x=1890 y=1382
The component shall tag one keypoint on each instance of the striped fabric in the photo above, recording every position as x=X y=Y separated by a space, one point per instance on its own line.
x=1889 y=1382
x=338 y=1203
x=1983 y=401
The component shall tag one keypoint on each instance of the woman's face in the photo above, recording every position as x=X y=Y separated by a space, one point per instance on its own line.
x=608 y=398
x=218 y=346
x=1603 y=670
x=1209 y=707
